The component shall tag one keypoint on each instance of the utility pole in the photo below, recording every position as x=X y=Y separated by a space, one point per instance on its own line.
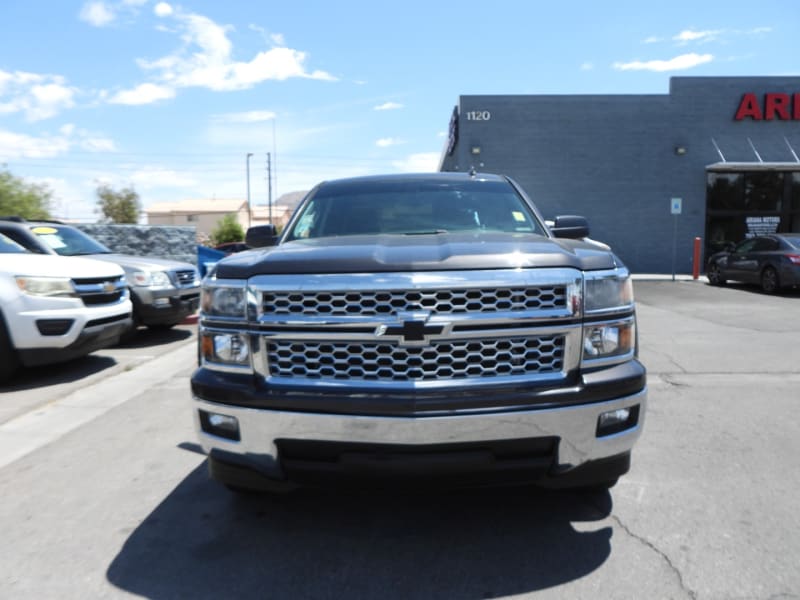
x=249 y=210
x=269 y=184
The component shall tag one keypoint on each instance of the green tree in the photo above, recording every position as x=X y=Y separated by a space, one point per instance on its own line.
x=228 y=230
x=121 y=206
x=23 y=199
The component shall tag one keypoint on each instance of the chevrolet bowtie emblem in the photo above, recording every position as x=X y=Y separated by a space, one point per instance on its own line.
x=411 y=329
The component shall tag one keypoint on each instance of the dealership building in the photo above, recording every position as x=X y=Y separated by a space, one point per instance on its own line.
x=716 y=159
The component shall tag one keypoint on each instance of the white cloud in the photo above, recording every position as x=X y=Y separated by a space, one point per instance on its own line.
x=98 y=144
x=387 y=142
x=388 y=106
x=205 y=59
x=278 y=39
x=97 y=13
x=19 y=145
x=252 y=116
x=162 y=9
x=652 y=40
x=679 y=63
x=689 y=35
x=146 y=93
x=424 y=162
x=587 y=66
x=38 y=96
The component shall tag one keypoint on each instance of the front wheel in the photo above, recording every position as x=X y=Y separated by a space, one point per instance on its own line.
x=769 y=281
x=715 y=275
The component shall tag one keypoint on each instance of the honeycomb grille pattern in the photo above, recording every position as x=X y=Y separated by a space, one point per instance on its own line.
x=372 y=303
x=387 y=362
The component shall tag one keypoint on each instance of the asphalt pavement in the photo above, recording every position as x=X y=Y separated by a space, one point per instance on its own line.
x=113 y=500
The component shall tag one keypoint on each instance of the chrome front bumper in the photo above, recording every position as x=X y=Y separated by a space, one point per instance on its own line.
x=574 y=427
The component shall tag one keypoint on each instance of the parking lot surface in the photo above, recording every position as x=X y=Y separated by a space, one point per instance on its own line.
x=120 y=504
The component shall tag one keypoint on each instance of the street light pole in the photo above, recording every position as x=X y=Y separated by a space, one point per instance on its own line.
x=249 y=210
x=269 y=184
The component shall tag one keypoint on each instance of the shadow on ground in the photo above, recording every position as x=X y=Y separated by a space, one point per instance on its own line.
x=28 y=378
x=205 y=542
x=147 y=338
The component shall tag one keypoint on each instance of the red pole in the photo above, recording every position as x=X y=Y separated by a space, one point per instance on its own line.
x=696 y=259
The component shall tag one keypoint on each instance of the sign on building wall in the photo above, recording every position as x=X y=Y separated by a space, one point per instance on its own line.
x=784 y=107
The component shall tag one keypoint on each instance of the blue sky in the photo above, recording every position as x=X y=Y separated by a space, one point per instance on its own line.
x=170 y=97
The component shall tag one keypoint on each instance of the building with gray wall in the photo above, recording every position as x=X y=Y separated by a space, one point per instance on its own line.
x=725 y=147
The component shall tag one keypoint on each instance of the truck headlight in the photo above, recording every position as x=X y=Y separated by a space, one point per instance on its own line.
x=47 y=286
x=225 y=348
x=224 y=301
x=609 y=340
x=608 y=291
x=610 y=335
x=151 y=279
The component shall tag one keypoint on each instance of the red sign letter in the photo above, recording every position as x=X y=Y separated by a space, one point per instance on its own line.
x=749 y=107
x=796 y=107
x=776 y=104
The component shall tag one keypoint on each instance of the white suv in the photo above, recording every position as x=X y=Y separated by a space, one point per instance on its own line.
x=54 y=308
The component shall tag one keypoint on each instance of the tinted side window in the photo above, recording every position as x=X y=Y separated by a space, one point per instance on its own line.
x=765 y=245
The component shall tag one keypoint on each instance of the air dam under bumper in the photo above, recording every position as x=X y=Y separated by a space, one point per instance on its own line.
x=571 y=431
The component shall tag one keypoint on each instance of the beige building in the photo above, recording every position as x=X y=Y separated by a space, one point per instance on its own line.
x=205 y=214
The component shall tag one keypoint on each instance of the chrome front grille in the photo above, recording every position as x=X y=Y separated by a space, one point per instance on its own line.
x=401 y=330
x=437 y=301
x=185 y=277
x=100 y=290
x=389 y=362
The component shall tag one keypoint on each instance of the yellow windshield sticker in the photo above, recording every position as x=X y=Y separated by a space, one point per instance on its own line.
x=44 y=230
x=518 y=216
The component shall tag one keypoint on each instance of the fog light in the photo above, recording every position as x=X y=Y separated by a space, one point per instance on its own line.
x=617 y=420
x=224 y=426
x=161 y=302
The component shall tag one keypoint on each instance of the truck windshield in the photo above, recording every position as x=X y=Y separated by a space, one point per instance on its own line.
x=414 y=208
x=68 y=241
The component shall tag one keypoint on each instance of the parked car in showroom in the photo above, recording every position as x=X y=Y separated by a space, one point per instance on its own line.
x=771 y=261
x=54 y=308
x=164 y=292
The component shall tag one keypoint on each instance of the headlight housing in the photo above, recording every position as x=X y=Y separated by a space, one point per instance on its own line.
x=151 y=279
x=53 y=287
x=609 y=330
x=224 y=301
x=226 y=349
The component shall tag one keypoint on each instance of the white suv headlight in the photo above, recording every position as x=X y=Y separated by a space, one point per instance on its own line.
x=151 y=279
x=47 y=286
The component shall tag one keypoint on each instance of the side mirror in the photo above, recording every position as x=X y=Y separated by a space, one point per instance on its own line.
x=570 y=226
x=729 y=247
x=261 y=236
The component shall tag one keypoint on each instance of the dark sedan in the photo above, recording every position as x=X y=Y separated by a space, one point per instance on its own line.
x=771 y=261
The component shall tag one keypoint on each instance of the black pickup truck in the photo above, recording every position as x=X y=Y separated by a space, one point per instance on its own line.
x=419 y=329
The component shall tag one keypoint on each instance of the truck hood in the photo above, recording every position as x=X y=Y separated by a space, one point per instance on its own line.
x=146 y=263
x=47 y=265
x=400 y=253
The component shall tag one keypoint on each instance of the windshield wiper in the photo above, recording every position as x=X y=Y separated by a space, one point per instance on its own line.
x=430 y=232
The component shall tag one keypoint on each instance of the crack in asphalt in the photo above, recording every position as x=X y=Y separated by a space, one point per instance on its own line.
x=689 y=592
x=648 y=544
